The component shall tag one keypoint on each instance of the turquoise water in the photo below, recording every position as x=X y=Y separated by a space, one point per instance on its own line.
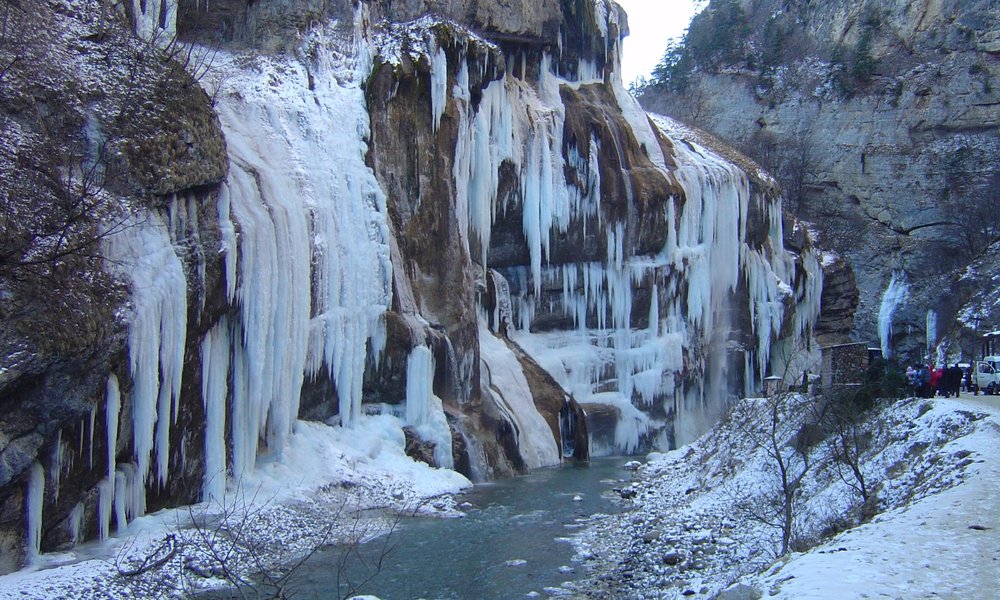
x=511 y=543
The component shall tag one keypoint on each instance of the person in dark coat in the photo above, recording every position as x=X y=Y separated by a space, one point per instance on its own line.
x=923 y=380
x=955 y=380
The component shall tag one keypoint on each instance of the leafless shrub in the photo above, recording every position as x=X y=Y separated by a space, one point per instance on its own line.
x=233 y=543
x=787 y=464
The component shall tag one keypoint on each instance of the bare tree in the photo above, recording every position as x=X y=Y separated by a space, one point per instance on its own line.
x=67 y=178
x=234 y=542
x=787 y=450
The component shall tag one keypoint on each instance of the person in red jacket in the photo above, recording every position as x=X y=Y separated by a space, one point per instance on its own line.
x=935 y=379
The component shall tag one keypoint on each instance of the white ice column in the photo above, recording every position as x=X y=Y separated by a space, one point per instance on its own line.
x=34 y=500
x=157 y=333
x=215 y=350
x=895 y=294
x=424 y=410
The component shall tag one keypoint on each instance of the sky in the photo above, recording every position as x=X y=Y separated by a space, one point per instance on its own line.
x=652 y=23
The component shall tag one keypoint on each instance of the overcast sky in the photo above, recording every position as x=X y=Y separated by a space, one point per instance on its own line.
x=652 y=24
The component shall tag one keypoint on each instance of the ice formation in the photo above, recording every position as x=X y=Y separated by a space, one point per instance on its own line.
x=895 y=294
x=313 y=268
x=33 y=503
x=144 y=253
x=503 y=377
x=706 y=258
x=309 y=272
x=931 y=330
x=155 y=20
x=308 y=265
x=424 y=410
x=215 y=352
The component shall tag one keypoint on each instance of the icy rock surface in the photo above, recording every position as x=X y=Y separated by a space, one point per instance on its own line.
x=643 y=269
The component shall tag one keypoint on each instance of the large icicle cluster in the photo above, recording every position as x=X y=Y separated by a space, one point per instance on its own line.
x=314 y=273
x=305 y=244
x=307 y=256
x=705 y=260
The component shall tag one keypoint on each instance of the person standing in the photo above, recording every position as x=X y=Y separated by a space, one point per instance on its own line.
x=935 y=379
x=955 y=379
x=923 y=379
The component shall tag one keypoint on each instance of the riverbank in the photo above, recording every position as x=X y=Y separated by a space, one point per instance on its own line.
x=707 y=516
x=330 y=486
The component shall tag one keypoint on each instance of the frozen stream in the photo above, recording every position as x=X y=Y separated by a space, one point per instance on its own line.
x=511 y=543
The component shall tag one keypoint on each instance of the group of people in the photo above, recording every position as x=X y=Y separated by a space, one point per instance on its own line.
x=929 y=381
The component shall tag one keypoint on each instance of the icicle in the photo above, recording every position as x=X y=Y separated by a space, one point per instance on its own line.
x=654 y=312
x=439 y=81
x=227 y=235
x=34 y=500
x=105 y=504
x=314 y=274
x=90 y=436
x=135 y=499
x=214 y=388
x=423 y=409
x=155 y=20
x=156 y=333
x=931 y=329
x=56 y=466
x=129 y=495
x=76 y=517
x=113 y=406
x=121 y=493
x=894 y=296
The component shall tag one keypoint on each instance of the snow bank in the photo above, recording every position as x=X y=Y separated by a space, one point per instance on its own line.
x=312 y=497
x=931 y=464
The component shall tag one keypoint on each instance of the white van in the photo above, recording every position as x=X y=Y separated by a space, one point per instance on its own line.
x=986 y=375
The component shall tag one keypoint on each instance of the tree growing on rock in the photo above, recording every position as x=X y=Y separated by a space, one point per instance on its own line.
x=78 y=121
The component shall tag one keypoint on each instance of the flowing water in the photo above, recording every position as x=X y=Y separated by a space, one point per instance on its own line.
x=512 y=541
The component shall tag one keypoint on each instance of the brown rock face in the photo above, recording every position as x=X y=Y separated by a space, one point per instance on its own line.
x=516 y=20
x=116 y=126
x=839 y=301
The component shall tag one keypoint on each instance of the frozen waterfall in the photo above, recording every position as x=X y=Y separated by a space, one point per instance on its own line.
x=313 y=268
x=895 y=294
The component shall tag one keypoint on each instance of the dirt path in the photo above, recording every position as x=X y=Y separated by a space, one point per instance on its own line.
x=943 y=546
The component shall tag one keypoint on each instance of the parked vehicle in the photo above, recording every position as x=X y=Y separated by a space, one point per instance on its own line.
x=986 y=376
x=986 y=371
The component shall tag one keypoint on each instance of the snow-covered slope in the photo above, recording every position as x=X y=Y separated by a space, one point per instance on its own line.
x=705 y=515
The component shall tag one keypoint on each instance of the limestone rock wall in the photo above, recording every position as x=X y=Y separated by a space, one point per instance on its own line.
x=880 y=120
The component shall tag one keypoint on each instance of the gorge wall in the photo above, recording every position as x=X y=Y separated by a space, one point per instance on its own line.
x=448 y=212
x=880 y=121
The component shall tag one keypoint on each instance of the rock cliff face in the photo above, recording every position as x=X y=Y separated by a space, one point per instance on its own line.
x=880 y=119
x=460 y=220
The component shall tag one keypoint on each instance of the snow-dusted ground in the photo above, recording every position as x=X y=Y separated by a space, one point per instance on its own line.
x=334 y=485
x=934 y=463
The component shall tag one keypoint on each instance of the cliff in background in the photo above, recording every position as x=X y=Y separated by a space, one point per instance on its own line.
x=880 y=121
x=322 y=210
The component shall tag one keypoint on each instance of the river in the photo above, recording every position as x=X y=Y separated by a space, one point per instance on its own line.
x=512 y=541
